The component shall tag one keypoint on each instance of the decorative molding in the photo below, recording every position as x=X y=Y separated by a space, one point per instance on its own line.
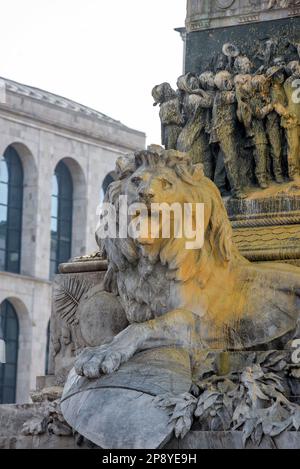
x=249 y=18
x=268 y=255
x=88 y=265
x=201 y=24
x=224 y=13
x=266 y=219
x=53 y=99
x=266 y=229
x=64 y=131
x=265 y=242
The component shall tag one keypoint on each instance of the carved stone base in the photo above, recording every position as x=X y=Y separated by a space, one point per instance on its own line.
x=41 y=425
x=83 y=315
x=266 y=225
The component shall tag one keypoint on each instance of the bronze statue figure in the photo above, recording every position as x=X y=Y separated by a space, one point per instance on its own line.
x=170 y=116
x=224 y=125
x=291 y=119
x=195 y=103
x=259 y=109
x=276 y=78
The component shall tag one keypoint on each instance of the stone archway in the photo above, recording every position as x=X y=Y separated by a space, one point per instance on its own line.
x=24 y=349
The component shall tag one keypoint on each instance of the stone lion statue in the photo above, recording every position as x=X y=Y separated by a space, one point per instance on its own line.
x=208 y=298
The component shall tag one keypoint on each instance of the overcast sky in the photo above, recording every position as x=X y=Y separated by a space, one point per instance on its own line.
x=106 y=54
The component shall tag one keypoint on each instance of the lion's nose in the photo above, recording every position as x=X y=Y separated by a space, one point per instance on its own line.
x=146 y=195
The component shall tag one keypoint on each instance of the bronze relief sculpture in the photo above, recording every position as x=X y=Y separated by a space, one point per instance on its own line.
x=264 y=118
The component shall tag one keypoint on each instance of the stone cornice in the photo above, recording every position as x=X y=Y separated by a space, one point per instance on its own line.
x=202 y=15
x=25 y=278
x=63 y=131
x=48 y=112
x=60 y=102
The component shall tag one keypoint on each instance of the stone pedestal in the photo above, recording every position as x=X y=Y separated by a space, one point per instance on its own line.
x=71 y=285
x=40 y=425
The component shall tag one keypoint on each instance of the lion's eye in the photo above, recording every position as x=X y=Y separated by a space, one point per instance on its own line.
x=166 y=184
x=136 y=180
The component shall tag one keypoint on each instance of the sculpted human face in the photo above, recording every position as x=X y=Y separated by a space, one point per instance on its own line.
x=194 y=83
x=279 y=61
x=243 y=82
x=224 y=81
x=243 y=65
x=293 y=68
x=207 y=80
x=279 y=78
x=260 y=84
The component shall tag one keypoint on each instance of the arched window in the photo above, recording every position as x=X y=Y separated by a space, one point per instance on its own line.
x=106 y=182
x=61 y=217
x=8 y=370
x=11 y=202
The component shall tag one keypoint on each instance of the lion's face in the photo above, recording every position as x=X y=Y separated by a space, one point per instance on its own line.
x=164 y=193
x=150 y=186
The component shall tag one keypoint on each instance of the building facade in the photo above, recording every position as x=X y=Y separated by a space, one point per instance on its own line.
x=56 y=157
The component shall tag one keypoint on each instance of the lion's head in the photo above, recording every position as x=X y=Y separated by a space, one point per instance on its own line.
x=168 y=176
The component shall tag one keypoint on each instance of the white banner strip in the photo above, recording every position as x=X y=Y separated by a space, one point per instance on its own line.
x=2 y=351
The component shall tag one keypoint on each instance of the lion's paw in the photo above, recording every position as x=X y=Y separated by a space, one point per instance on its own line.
x=93 y=362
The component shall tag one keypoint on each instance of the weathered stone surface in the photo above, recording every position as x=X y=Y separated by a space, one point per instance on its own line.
x=40 y=442
x=66 y=338
x=12 y=419
x=101 y=317
x=119 y=410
